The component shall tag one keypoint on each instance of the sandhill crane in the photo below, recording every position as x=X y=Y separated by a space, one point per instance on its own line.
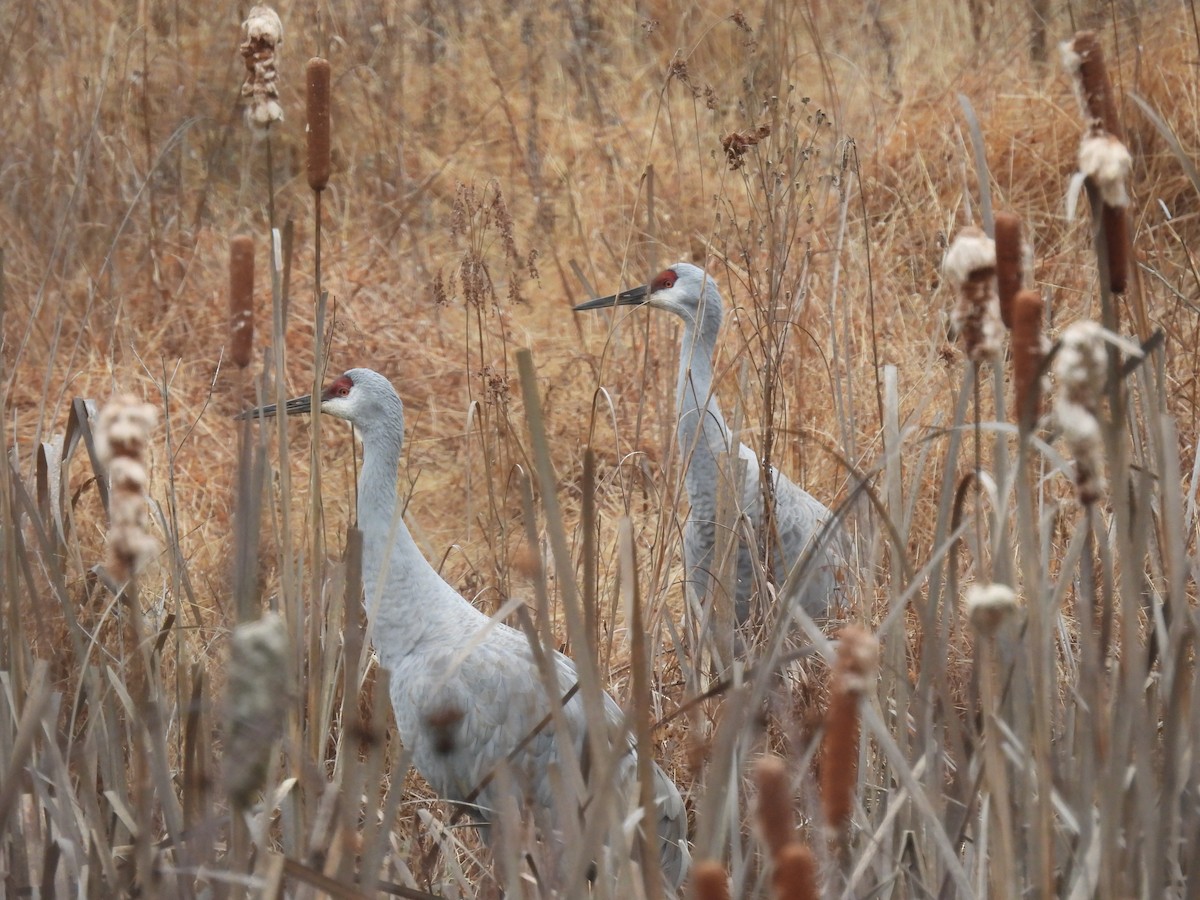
x=466 y=690
x=798 y=518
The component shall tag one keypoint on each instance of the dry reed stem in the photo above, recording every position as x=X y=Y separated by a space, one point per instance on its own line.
x=317 y=102
x=709 y=881
x=775 y=818
x=1008 y=263
x=241 y=299
x=853 y=673
x=260 y=91
x=1027 y=355
x=795 y=875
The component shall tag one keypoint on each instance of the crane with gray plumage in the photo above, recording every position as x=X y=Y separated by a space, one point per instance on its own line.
x=466 y=690
x=800 y=522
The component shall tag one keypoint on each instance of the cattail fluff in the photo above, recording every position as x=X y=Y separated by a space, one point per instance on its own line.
x=1083 y=60
x=241 y=299
x=795 y=875
x=1009 y=263
x=1106 y=163
x=260 y=91
x=989 y=606
x=970 y=265
x=122 y=433
x=774 y=803
x=317 y=116
x=853 y=675
x=1027 y=355
x=1080 y=368
x=257 y=683
x=709 y=881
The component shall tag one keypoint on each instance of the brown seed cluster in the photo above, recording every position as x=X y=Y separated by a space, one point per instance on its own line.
x=970 y=265
x=260 y=91
x=737 y=143
x=853 y=675
x=122 y=433
x=241 y=299
x=316 y=95
x=795 y=874
x=1009 y=269
x=1027 y=355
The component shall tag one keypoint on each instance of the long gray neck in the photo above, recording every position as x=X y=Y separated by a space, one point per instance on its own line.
x=407 y=601
x=703 y=435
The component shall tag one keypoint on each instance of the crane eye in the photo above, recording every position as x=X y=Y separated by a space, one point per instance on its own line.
x=664 y=281
x=340 y=388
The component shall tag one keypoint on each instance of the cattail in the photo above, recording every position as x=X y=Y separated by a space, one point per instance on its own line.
x=989 y=606
x=970 y=265
x=795 y=873
x=258 y=683
x=1106 y=163
x=1083 y=59
x=260 y=91
x=241 y=299
x=1116 y=239
x=1027 y=355
x=122 y=432
x=317 y=111
x=853 y=674
x=709 y=881
x=1080 y=368
x=1009 y=259
x=774 y=803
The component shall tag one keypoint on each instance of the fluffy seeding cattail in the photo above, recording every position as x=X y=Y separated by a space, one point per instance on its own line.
x=122 y=432
x=989 y=606
x=1080 y=368
x=317 y=111
x=260 y=91
x=241 y=299
x=709 y=881
x=1009 y=259
x=1106 y=163
x=774 y=803
x=853 y=674
x=970 y=265
x=1083 y=59
x=257 y=683
x=1027 y=355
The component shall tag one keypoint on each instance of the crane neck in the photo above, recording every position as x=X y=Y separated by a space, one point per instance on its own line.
x=702 y=433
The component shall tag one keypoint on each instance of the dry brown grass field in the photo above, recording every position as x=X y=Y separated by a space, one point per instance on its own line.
x=494 y=164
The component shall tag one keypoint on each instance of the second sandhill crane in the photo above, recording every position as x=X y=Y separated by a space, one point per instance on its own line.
x=801 y=523
x=467 y=693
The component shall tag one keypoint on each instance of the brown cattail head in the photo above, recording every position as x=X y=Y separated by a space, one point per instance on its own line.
x=241 y=299
x=317 y=110
x=1008 y=262
x=257 y=683
x=260 y=91
x=853 y=674
x=1116 y=239
x=1027 y=355
x=1083 y=58
x=709 y=881
x=795 y=873
x=122 y=433
x=970 y=265
x=774 y=803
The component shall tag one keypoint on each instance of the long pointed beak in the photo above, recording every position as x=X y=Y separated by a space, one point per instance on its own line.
x=632 y=297
x=294 y=407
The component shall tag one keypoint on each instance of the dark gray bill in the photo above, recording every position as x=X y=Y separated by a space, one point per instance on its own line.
x=295 y=407
x=631 y=297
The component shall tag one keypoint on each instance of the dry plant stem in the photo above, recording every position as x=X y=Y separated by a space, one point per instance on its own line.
x=1002 y=864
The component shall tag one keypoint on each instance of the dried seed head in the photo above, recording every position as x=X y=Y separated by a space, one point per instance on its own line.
x=260 y=91
x=796 y=873
x=989 y=606
x=854 y=673
x=1027 y=355
x=1107 y=163
x=122 y=433
x=241 y=299
x=317 y=75
x=1009 y=262
x=970 y=265
x=1081 y=368
x=775 y=819
x=1083 y=60
x=257 y=683
x=709 y=881
x=1116 y=237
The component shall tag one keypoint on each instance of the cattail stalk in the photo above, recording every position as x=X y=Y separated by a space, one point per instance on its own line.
x=853 y=674
x=1008 y=263
x=1027 y=355
x=316 y=95
x=709 y=881
x=241 y=299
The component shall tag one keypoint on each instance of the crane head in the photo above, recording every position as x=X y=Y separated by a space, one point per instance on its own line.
x=683 y=289
x=360 y=396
